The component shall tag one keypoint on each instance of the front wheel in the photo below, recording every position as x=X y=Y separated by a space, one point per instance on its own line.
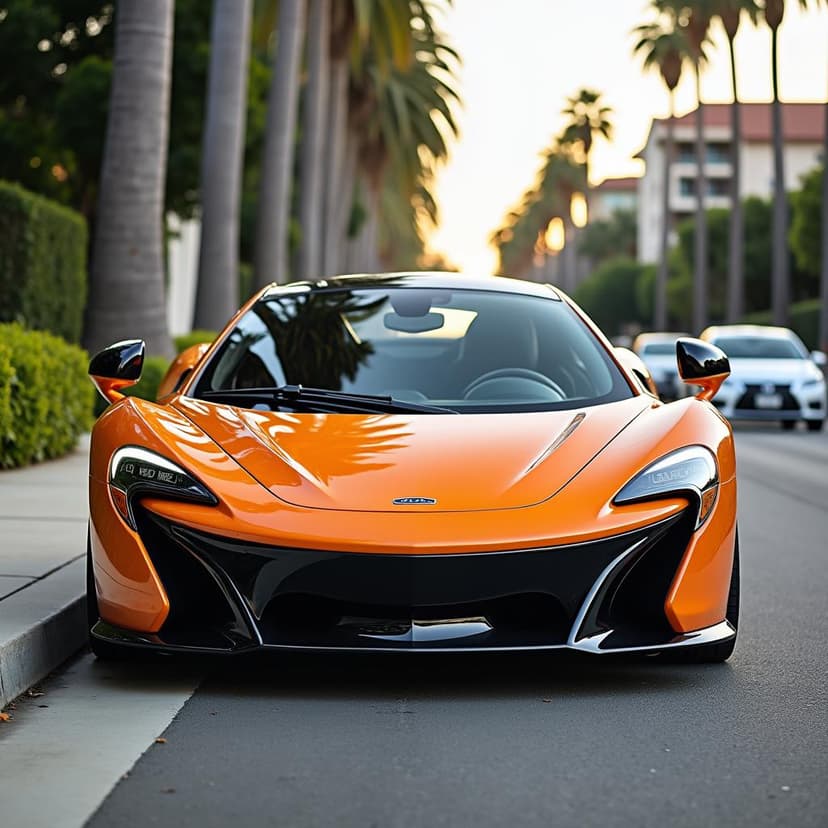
x=815 y=425
x=721 y=650
x=788 y=425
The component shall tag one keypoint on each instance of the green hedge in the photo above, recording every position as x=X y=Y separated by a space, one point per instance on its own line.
x=42 y=263
x=153 y=372
x=804 y=319
x=45 y=396
x=193 y=338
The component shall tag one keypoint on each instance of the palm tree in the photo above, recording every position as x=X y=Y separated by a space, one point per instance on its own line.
x=217 y=292
x=697 y=25
x=823 y=312
x=401 y=118
x=127 y=274
x=315 y=103
x=588 y=117
x=382 y=27
x=730 y=14
x=517 y=240
x=774 y=11
x=693 y=17
x=663 y=48
x=273 y=214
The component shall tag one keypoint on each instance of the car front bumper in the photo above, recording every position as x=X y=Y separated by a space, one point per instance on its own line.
x=232 y=596
x=771 y=401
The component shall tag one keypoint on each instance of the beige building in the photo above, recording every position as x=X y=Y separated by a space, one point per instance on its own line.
x=803 y=125
x=611 y=195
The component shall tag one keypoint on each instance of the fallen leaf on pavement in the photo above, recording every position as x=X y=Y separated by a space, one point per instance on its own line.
x=160 y=741
x=4 y=717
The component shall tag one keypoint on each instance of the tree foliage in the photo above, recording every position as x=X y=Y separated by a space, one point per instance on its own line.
x=55 y=69
x=610 y=296
x=807 y=222
x=609 y=238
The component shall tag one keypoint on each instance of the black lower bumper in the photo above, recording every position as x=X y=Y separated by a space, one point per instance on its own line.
x=228 y=596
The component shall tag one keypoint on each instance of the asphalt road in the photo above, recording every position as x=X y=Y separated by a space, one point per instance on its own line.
x=546 y=741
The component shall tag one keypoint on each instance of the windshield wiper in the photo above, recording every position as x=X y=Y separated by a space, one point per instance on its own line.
x=303 y=396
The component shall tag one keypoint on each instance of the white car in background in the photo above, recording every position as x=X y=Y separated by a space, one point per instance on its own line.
x=657 y=350
x=773 y=377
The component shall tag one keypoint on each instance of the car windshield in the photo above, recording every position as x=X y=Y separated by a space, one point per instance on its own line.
x=759 y=347
x=466 y=350
x=659 y=349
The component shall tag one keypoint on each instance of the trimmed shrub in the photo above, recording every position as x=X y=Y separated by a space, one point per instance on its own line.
x=193 y=338
x=49 y=396
x=42 y=263
x=147 y=387
x=804 y=320
x=6 y=377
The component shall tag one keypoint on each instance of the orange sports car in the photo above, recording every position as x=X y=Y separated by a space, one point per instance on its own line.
x=412 y=462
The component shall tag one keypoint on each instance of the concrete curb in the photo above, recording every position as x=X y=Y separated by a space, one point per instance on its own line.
x=48 y=626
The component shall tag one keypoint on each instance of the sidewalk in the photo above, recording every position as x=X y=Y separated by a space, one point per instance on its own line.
x=43 y=517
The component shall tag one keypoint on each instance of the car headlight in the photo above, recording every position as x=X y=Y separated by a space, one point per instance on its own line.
x=690 y=471
x=811 y=383
x=137 y=471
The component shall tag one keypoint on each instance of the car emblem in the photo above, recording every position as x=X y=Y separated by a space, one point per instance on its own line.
x=413 y=501
x=768 y=388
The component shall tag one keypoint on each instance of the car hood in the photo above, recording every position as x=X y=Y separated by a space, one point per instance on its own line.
x=778 y=371
x=366 y=462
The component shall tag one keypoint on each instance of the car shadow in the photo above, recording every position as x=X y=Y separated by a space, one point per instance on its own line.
x=382 y=677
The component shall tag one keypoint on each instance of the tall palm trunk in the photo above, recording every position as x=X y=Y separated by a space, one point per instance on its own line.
x=127 y=277
x=217 y=291
x=335 y=160
x=273 y=215
x=570 y=259
x=736 y=267
x=779 y=232
x=700 y=311
x=823 y=312
x=345 y=202
x=660 y=304
x=311 y=196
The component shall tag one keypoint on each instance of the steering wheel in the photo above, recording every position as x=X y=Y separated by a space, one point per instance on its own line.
x=518 y=373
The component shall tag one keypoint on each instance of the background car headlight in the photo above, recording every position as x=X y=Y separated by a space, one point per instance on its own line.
x=136 y=471
x=687 y=472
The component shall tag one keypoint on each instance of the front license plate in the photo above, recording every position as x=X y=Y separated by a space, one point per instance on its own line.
x=768 y=401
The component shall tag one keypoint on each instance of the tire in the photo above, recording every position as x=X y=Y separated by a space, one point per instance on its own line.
x=102 y=650
x=788 y=425
x=815 y=425
x=722 y=650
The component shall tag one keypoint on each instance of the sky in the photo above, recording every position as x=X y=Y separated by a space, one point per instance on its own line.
x=523 y=58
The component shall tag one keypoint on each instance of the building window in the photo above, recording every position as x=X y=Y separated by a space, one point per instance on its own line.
x=715 y=186
x=717 y=153
x=687 y=186
x=718 y=186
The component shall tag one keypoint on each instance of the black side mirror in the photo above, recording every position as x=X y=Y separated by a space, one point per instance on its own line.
x=703 y=364
x=117 y=366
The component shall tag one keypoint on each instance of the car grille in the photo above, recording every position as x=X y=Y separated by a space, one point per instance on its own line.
x=249 y=594
x=748 y=400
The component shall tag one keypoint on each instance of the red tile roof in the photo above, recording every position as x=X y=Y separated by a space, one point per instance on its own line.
x=801 y=122
x=617 y=185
